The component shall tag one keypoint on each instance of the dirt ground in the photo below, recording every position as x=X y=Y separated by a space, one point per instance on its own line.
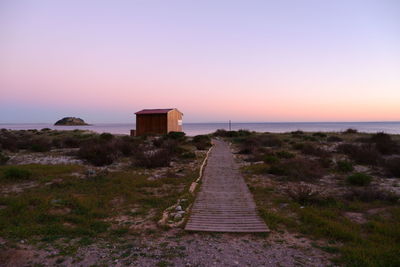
x=178 y=248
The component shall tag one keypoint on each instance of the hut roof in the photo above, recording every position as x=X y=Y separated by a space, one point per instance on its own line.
x=154 y=111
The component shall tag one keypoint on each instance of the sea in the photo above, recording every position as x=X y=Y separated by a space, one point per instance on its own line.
x=192 y=129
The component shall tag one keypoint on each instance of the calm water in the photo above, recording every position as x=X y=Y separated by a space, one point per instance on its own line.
x=204 y=128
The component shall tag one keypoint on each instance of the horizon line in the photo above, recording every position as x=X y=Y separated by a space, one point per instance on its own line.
x=219 y=122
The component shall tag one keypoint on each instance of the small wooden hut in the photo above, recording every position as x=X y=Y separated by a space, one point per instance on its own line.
x=158 y=121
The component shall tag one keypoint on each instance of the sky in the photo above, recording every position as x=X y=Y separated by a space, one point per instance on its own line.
x=215 y=60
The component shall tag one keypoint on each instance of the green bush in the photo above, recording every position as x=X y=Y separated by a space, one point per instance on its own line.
x=106 y=136
x=270 y=159
x=285 y=154
x=359 y=179
x=345 y=166
x=319 y=134
x=15 y=174
x=176 y=135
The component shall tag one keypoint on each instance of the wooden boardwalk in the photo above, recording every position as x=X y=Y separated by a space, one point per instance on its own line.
x=224 y=203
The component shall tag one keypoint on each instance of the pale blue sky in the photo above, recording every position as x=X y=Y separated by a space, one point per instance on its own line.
x=215 y=60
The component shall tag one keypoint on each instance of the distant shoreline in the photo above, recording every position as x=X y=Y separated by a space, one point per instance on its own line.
x=192 y=129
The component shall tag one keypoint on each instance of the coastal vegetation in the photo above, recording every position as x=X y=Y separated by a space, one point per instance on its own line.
x=73 y=188
x=339 y=189
x=65 y=190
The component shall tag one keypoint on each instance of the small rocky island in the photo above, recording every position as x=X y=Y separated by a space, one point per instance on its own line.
x=70 y=121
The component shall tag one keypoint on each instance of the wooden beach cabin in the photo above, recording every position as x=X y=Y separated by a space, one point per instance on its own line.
x=158 y=121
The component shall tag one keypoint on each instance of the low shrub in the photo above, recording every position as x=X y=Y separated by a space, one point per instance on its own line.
x=41 y=145
x=70 y=142
x=309 y=138
x=98 y=153
x=359 y=179
x=392 y=167
x=285 y=154
x=334 y=138
x=268 y=140
x=384 y=143
x=362 y=154
x=252 y=143
x=243 y=132
x=225 y=133
x=270 y=159
x=313 y=150
x=173 y=147
x=188 y=155
x=319 y=134
x=277 y=170
x=298 y=146
x=298 y=169
x=248 y=146
x=344 y=166
x=298 y=132
x=325 y=161
x=15 y=174
x=3 y=159
x=202 y=142
x=126 y=145
x=176 y=135
x=256 y=156
x=350 y=131
x=304 y=194
x=370 y=194
x=152 y=158
x=106 y=136
x=8 y=141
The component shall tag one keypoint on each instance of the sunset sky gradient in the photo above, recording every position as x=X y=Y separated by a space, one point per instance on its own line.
x=248 y=61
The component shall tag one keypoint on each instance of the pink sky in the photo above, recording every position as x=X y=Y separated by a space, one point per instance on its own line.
x=244 y=61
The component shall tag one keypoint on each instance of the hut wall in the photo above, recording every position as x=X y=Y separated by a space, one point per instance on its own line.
x=174 y=121
x=151 y=124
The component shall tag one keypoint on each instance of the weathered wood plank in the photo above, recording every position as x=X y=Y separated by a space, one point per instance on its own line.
x=224 y=203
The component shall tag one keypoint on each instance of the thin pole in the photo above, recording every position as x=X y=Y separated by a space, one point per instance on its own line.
x=230 y=125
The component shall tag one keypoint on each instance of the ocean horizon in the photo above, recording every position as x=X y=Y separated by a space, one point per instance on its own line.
x=192 y=129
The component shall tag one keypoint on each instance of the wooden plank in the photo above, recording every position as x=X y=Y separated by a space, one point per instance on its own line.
x=224 y=203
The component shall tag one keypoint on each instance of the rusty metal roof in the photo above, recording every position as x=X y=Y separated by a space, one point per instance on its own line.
x=154 y=111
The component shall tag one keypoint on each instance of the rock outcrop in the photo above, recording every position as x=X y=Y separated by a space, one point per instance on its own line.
x=70 y=121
